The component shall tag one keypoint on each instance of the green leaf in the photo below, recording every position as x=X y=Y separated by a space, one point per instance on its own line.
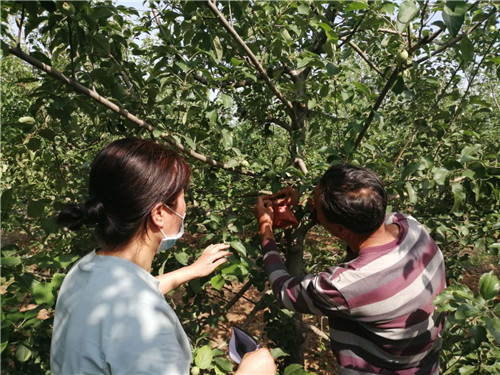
x=212 y=116
x=467 y=370
x=34 y=144
x=285 y=35
x=493 y=326
x=239 y=247
x=363 y=88
x=227 y=101
x=36 y=208
x=203 y=357
x=100 y=42
x=227 y=139
x=458 y=196
x=303 y=9
x=407 y=11
x=217 y=282
x=489 y=285
x=5 y=342
x=224 y=364
x=453 y=15
x=440 y=175
x=295 y=369
x=467 y=49
x=42 y=292
x=10 y=261
x=478 y=335
x=332 y=69
x=278 y=352
x=399 y=86
x=181 y=257
x=412 y=197
x=57 y=280
x=356 y=5
x=468 y=153
x=410 y=169
x=23 y=353
x=218 y=49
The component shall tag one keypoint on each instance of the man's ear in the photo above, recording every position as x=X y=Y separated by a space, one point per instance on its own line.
x=158 y=215
x=340 y=230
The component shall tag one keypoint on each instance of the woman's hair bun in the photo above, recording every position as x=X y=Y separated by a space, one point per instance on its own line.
x=94 y=210
x=74 y=216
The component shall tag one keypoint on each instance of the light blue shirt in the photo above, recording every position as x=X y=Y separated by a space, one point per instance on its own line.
x=111 y=318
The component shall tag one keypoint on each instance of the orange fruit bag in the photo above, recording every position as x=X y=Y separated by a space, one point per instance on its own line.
x=283 y=217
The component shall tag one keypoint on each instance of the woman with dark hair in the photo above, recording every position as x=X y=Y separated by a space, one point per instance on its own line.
x=111 y=316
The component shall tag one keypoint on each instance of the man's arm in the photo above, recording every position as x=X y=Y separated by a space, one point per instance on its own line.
x=312 y=294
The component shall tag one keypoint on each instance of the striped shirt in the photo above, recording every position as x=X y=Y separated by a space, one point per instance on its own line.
x=379 y=304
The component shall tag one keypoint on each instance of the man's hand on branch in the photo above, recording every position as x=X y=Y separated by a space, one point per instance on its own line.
x=288 y=196
x=265 y=215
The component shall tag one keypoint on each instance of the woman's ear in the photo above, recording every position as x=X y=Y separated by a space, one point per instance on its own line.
x=158 y=215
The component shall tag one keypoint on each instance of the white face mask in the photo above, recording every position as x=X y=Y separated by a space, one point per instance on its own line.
x=168 y=242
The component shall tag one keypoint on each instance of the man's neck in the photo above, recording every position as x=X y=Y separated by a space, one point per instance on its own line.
x=385 y=234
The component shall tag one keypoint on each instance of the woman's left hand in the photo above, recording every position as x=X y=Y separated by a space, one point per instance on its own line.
x=212 y=257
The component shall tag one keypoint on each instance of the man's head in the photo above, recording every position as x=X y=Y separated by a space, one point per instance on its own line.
x=351 y=197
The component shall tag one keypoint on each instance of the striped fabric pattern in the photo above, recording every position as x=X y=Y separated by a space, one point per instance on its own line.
x=379 y=304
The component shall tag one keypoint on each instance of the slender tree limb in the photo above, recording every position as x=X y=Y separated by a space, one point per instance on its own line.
x=376 y=106
x=300 y=164
x=364 y=56
x=71 y=48
x=212 y=5
x=316 y=331
x=238 y=295
x=354 y=30
x=20 y=27
x=258 y=306
x=399 y=69
x=423 y=13
x=122 y=112
x=456 y=39
x=390 y=31
x=458 y=111
x=280 y=123
x=431 y=110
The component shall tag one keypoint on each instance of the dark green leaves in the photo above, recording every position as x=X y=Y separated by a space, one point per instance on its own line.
x=467 y=49
x=454 y=15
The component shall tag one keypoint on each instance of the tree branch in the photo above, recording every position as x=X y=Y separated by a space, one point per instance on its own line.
x=377 y=104
x=20 y=26
x=431 y=110
x=456 y=39
x=280 y=123
x=458 y=111
x=363 y=55
x=238 y=295
x=212 y=5
x=300 y=164
x=122 y=112
x=355 y=28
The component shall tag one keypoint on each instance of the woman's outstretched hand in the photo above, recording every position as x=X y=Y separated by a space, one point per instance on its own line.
x=212 y=257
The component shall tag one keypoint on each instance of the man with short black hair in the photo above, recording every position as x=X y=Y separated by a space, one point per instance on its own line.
x=379 y=301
